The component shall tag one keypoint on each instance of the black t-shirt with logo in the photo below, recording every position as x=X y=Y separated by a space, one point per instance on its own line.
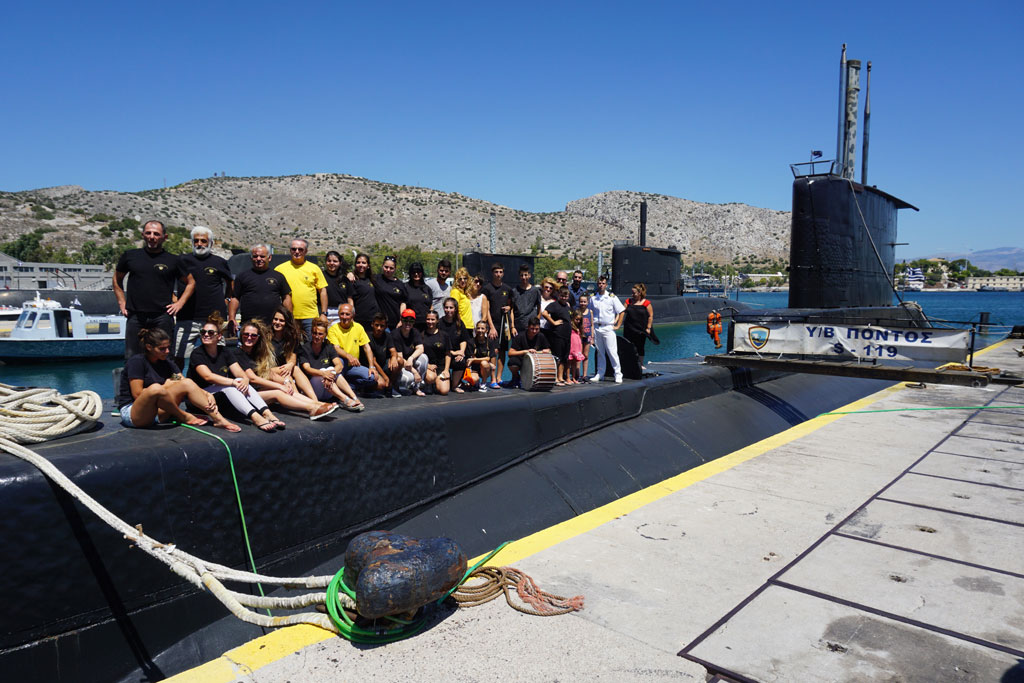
x=318 y=361
x=259 y=294
x=406 y=345
x=211 y=274
x=381 y=349
x=364 y=301
x=219 y=365
x=139 y=367
x=436 y=347
x=337 y=289
x=527 y=305
x=391 y=295
x=420 y=299
x=151 y=279
x=498 y=297
x=483 y=349
x=455 y=331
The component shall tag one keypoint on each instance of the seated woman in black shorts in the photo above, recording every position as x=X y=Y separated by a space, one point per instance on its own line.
x=321 y=362
x=286 y=337
x=481 y=348
x=152 y=388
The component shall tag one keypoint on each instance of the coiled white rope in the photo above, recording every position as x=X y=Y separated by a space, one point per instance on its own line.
x=37 y=415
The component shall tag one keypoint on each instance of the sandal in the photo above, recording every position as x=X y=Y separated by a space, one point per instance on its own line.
x=229 y=427
x=268 y=427
x=354 y=406
x=199 y=422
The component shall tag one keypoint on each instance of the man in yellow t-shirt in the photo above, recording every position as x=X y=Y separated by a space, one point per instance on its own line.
x=349 y=338
x=308 y=285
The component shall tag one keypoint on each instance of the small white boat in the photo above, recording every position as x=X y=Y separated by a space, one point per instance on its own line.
x=45 y=330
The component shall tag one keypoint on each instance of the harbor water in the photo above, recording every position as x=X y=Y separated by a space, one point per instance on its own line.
x=678 y=340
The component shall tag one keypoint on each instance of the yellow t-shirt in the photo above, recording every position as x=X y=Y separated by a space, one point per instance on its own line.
x=465 y=307
x=306 y=282
x=350 y=340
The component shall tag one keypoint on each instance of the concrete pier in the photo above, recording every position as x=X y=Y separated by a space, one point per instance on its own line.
x=886 y=543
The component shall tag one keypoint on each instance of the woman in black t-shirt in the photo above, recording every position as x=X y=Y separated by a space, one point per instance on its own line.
x=391 y=294
x=363 y=291
x=336 y=274
x=152 y=388
x=438 y=352
x=479 y=360
x=256 y=363
x=452 y=327
x=324 y=366
x=419 y=297
x=286 y=336
x=216 y=368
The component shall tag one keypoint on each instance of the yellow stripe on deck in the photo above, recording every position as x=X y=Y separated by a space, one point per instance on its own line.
x=276 y=645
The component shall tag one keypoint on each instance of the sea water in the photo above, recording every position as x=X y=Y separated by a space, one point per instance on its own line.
x=678 y=340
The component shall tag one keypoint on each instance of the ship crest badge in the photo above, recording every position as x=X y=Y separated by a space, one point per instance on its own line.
x=758 y=336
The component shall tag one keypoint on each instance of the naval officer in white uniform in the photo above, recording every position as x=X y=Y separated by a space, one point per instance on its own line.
x=608 y=312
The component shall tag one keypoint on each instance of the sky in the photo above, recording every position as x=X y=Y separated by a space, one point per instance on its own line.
x=529 y=105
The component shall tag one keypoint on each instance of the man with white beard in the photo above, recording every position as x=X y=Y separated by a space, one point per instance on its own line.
x=213 y=287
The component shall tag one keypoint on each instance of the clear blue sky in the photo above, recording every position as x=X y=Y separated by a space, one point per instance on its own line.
x=530 y=105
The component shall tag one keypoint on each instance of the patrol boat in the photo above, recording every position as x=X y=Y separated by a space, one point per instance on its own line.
x=46 y=330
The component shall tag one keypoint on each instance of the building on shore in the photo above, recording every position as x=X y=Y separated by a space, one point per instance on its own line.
x=15 y=274
x=1013 y=283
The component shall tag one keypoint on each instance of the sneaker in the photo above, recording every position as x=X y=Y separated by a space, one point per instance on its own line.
x=323 y=410
x=395 y=393
x=618 y=379
x=516 y=384
x=595 y=378
x=482 y=388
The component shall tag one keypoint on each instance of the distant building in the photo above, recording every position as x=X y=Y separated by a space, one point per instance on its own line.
x=15 y=274
x=1011 y=282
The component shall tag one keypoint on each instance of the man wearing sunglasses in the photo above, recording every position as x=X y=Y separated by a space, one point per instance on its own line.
x=308 y=285
x=259 y=290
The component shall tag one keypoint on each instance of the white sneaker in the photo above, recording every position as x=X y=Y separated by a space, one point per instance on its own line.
x=618 y=379
x=595 y=378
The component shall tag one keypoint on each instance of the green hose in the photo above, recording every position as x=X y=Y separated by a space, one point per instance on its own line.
x=238 y=497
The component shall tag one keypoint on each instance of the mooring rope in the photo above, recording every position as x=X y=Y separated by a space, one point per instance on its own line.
x=39 y=414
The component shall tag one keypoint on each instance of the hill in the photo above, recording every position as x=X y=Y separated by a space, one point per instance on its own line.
x=341 y=211
x=989 y=259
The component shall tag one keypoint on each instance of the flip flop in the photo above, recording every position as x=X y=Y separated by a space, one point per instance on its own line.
x=278 y=425
x=229 y=427
x=267 y=427
x=200 y=422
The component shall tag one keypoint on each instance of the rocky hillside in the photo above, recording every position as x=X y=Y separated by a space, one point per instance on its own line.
x=344 y=211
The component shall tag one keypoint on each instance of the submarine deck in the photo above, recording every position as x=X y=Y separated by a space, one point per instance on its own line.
x=882 y=541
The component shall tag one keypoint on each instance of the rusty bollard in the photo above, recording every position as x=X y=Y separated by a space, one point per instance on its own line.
x=395 y=574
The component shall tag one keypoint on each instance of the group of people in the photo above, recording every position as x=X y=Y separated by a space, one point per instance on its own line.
x=314 y=340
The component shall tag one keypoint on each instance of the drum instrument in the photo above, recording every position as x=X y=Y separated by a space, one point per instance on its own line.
x=540 y=370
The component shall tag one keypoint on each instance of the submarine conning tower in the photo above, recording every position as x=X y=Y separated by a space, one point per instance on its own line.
x=842 y=246
x=843 y=243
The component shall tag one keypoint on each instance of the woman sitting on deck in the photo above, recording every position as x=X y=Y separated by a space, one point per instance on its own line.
x=286 y=337
x=255 y=361
x=216 y=368
x=152 y=388
x=321 y=362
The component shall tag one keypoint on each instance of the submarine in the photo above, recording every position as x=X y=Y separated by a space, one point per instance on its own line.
x=82 y=605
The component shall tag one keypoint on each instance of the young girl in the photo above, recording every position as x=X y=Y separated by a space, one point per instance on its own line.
x=586 y=330
x=575 y=348
x=479 y=356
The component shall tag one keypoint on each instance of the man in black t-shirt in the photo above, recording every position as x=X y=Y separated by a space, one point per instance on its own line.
x=385 y=361
x=213 y=285
x=500 y=297
x=532 y=340
x=409 y=344
x=260 y=290
x=527 y=299
x=152 y=272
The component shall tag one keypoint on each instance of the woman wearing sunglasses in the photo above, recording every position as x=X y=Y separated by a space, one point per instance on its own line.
x=215 y=367
x=255 y=363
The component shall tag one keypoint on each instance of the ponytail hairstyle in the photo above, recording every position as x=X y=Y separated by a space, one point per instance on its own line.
x=216 y=320
x=151 y=336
